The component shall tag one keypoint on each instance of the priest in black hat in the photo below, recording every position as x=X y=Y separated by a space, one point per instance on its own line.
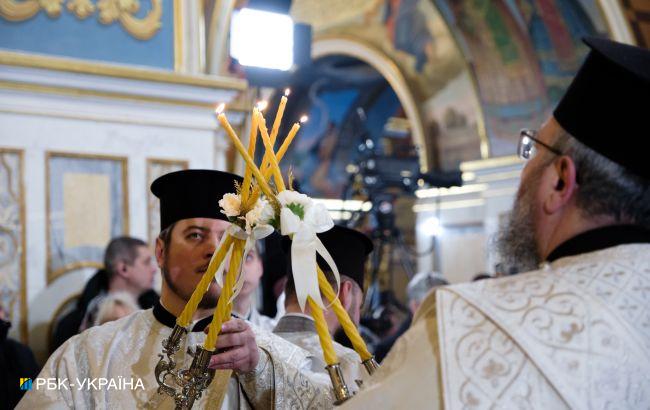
x=349 y=250
x=574 y=330
x=124 y=353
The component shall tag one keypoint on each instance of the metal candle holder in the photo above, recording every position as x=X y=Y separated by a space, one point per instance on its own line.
x=191 y=381
x=371 y=365
x=341 y=392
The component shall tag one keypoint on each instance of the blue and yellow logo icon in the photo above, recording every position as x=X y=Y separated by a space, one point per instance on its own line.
x=25 y=383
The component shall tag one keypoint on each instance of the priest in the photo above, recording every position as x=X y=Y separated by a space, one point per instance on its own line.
x=112 y=366
x=573 y=331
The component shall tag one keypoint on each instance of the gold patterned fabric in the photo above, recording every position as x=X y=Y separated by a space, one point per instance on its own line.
x=127 y=349
x=574 y=334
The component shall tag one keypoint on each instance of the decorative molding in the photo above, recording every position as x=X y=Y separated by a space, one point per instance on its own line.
x=179 y=56
x=53 y=273
x=617 y=24
x=109 y=11
x=12 y=224
x=57 y=312
x=84 y=67
x=157 y=167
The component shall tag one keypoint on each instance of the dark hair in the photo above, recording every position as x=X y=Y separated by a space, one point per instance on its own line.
x=290 y=285
x=607 y=188
x=166 y=235
x=121 y=249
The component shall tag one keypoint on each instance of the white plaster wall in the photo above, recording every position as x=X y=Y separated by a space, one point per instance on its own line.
x=469 y=217
x=39 y=122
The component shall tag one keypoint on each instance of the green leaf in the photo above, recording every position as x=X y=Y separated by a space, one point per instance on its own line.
x=298 y=210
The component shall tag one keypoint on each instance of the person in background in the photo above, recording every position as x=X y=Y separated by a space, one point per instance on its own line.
x=16 y=362
x=417 y=289
x=349 y=250
x=115 y=306
x=244 y=305
x=129 y=267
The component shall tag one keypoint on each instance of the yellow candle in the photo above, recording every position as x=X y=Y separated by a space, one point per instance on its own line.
x=275 y=167
x=222 y=313
x=280 y=154
x=266 y=165
x=252 y=139
x=278 y=116
x=323 y=333
x=344 y=319
x=244 y=153
x=190 y=307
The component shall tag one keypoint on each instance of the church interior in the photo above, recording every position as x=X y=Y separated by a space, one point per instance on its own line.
x=409 y=115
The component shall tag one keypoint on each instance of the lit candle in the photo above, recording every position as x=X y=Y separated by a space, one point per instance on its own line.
x=278 y=116
x=344 y=318
x=275 y=167
x=285 y=145
x=323 y=333
x=190 y=307
x=252 y=139
x=222 y=313
x=221 y=117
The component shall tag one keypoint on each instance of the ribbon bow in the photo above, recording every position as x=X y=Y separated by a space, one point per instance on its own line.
x=304 y=247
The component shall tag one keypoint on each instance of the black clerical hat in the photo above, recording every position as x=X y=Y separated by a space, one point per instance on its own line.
x=192 y=193
x=607 y=106
x=349 y=249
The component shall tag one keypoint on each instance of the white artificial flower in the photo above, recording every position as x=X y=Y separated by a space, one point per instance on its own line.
x=292 y=197
x=268 y=213
x=230 y=205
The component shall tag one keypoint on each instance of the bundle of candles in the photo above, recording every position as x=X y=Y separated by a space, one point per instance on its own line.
x=255 y=183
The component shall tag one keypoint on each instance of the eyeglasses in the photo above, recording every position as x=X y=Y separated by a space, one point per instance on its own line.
x=528 y=141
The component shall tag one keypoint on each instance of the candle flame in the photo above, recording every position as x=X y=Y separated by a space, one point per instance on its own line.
x=287 y=91
x=304 y=119
x=220 y=108
x=261 y=105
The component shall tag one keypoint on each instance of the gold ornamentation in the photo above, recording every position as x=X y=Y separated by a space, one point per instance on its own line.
x=13 y=10
x=123 y=10
x=51 y=7
x=109 y=11
x=81 y=8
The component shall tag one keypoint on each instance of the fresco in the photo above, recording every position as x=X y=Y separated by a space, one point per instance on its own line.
x=509 y=59
x=413 y=34
x=523 y=54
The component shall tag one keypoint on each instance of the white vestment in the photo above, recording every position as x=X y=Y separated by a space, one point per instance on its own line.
x=300 y=330
x=128 y=349
x=261 y=321
x=574 y=334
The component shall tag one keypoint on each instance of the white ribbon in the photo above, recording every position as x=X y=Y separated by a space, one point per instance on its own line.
x=304 y=247
x=259 y=232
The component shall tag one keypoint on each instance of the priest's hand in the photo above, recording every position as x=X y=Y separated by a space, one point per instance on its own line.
x=236 y=347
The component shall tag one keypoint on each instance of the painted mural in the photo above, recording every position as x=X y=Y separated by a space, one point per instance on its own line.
x=524 y=54
x=516 y=58
x=413 y=34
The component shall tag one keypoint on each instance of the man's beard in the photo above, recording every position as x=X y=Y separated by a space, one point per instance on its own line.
x=209 y=300
x=516 y=242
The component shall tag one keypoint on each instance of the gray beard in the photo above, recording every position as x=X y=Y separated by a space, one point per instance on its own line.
x=516 y=240
x=207 y=302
